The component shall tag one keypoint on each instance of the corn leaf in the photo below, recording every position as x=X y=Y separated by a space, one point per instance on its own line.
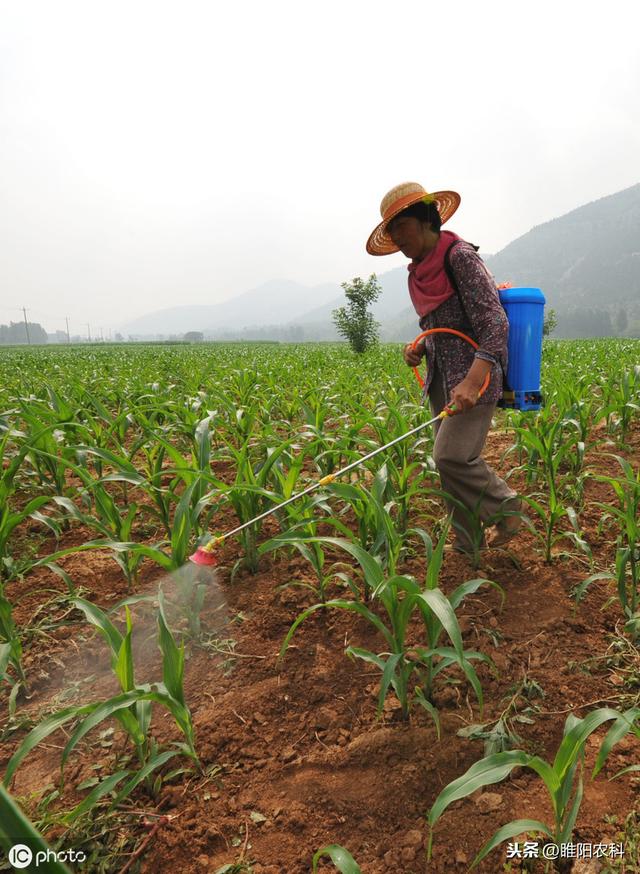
x=491 y=769
x=570 y=818
x=41 y=731
x=101 y=621
x=622 y=726
x=354 y=606
x=15 y=828
x=154 y=762
x=428 y=706
x=370 y=567
x=574 y=739
x=471 y=586
x=103 y=788
x=5 y=657
x=437 y=602
x=510 y=830
x=123 y=665
x=172 y=656
x=341 y=858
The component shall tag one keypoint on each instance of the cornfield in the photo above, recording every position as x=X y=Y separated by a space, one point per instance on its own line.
x=361 y=676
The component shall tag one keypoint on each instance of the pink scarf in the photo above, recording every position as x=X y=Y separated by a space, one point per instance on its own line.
x=429 y=284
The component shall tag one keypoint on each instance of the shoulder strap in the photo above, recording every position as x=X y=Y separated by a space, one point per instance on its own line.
x=447 y=263
x=450 y=276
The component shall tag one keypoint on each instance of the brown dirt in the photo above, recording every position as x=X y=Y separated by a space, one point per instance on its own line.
x=302 y=759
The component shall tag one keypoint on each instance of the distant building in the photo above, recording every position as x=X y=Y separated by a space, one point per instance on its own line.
x=58 y=337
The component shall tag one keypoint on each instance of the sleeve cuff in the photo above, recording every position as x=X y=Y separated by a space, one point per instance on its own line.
x=486 y=356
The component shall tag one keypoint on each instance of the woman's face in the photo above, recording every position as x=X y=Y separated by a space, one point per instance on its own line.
x=413 y=237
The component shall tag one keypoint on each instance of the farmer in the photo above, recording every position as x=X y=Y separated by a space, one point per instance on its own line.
x=450 y=287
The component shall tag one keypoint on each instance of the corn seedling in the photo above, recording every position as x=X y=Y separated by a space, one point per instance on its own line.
x=623 y=402
x=377 y=531
x=404 y=469
x=627 y=560
x=10 y=518
x=10 y=652
x=501 y=735
x=250 y=497
x=550 y=451
x=131 y=708
x=627 y=491
x=577 y=537
x=401 y=596
x=562 y=779
x=471 y=530
x=302 y=536
x=48 y=455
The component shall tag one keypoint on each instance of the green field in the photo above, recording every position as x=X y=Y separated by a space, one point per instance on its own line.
x=118 y=460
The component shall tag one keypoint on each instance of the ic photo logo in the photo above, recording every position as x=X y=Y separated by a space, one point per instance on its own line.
x=20 y=856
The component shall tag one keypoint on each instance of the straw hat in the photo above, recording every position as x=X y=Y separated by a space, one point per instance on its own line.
x=399 y=198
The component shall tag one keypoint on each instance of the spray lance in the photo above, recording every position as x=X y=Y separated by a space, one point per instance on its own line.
x=205 y=555
x=524 y=308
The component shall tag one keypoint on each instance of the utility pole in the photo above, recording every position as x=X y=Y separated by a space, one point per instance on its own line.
x=88 y=332
x=26 y=325
x=67 y=321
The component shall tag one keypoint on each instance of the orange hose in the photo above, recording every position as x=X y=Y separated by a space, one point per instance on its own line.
x=485 y=384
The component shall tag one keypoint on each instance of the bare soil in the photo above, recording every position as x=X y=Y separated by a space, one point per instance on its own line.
x=296 y=757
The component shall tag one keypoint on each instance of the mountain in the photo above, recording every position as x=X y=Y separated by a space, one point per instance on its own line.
x=589 y=257
x=394 y=294
x=274 y=302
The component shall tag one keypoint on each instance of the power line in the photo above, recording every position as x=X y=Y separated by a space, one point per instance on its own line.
x=55 y=323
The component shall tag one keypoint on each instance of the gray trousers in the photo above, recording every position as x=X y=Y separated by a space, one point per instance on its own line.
x=465 y=476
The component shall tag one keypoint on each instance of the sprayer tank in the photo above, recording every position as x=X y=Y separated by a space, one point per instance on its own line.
x=525 y=311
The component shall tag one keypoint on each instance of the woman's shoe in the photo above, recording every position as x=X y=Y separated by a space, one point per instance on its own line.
x=465 y=547
x=506 y=528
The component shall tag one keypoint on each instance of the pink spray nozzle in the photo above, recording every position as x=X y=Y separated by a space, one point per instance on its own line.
x=203 y=557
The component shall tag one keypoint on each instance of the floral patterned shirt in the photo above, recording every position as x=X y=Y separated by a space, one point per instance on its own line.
x=475 y=311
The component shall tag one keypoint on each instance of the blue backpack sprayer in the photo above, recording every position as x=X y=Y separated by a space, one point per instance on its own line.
x=525 y=311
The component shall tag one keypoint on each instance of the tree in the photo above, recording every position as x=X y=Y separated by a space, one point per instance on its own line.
x=16 y=332
x=550 y=323
x=354 y=322
x=194 y=336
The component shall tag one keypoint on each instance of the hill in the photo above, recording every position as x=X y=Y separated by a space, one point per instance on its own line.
x=584 y=257
x=587 y=262
x=274 y=302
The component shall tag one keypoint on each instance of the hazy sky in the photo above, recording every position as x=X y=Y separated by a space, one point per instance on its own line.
x=164 y=153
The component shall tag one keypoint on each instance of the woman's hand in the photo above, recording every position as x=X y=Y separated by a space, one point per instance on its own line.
x=464 y=396
x=413 y=356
